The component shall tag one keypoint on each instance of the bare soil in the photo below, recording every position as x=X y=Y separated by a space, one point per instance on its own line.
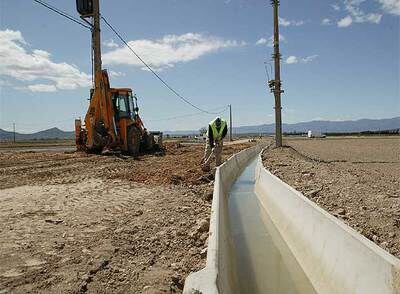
x=356 y=179
x=35 y=143
x=180 y=165
x=353 y=149
x=77 y=223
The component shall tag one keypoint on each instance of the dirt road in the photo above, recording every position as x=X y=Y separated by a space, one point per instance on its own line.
x=356 y=180
x=77 y=223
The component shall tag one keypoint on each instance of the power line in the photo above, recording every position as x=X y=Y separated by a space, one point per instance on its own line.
x=153 y=72
x=186 y=115
x=64 y=14
x=70 y=17
x=266 y=69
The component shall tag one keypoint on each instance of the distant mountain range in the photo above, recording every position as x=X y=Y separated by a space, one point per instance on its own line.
x=317 y=125
x=53 y=133
x=322 y=126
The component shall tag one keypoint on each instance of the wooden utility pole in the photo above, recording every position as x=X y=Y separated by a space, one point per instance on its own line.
x=96 y=42
x=277 y=82
x=230 y=123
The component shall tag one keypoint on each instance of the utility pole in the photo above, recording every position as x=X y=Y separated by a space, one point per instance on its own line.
x=14 y=131
x=230 y=123
x=276 y=84
x=96 y=42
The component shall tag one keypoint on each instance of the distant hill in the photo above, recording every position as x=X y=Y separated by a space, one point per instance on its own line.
x=53 y=133
x=322 y=126
x=327 y=126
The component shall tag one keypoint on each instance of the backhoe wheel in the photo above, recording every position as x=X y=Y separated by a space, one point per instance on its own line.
x=133 y=141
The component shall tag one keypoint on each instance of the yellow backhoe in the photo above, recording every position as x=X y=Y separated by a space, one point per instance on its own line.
x=112 y=122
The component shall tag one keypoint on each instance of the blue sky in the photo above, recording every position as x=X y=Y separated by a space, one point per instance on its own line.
x=340 y=60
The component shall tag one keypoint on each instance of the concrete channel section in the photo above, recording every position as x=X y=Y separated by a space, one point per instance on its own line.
x=265 y=237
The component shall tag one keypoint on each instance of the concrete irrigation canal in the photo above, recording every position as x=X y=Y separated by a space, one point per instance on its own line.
x=266 y=237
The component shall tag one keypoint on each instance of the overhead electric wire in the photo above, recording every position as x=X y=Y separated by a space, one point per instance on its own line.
x=70 y=17
x=64 y=14
x=153 y=72
x=266 y=69
x=185 y=115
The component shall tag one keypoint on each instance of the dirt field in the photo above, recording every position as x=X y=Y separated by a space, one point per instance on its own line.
x=35 y=143
x=355 y=179
x=362 y=149
x=77 y=223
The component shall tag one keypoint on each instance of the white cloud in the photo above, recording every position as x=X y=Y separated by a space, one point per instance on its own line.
x=326 y=22
x=285 y=23
x=371 y=18
x=309 y=59
x=261 y=41
x=270 y=41
x=116 y=74
x=169 y=50
x=390 y=6
x=42 y=88
x=24 y=65
x=357 y=15
x=110 y=44
x=294 y=59
x=345 y=22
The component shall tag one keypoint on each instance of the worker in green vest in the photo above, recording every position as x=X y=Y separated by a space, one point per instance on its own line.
x=217 y=130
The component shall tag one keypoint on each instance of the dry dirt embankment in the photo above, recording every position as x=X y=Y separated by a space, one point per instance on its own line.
x=355 y=179
x=76 y=223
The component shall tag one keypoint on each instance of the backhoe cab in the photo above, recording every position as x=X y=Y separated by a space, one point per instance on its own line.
x=112 y=122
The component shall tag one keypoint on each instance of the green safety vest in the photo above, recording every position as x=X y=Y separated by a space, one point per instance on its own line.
x=217 y=135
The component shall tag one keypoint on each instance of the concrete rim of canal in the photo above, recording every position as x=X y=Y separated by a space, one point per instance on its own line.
x=266 y=237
